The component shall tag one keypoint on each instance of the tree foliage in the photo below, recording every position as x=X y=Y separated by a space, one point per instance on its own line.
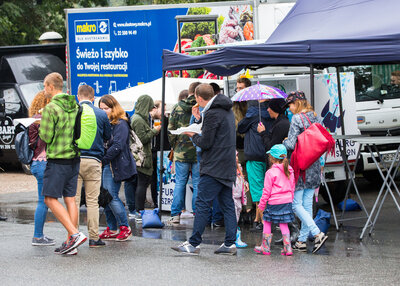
x=23 y=21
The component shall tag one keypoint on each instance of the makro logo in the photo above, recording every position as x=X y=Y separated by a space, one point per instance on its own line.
x=92 y=30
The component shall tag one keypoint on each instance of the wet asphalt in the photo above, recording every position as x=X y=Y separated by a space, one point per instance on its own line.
x=147 y=258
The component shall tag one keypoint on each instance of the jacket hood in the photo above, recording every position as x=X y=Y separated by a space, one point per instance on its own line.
x=187 y=104
x=66 y=102
x=144 y=105
x=221 y=101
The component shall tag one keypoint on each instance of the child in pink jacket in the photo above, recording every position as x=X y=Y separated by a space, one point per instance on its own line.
x=278 y=192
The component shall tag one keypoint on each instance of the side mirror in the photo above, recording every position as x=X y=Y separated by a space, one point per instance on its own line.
x=2 y=109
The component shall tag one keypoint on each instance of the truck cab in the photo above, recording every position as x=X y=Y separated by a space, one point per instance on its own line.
x=21 y=78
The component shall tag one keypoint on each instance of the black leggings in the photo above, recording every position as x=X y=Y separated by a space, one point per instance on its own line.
x=143 y=183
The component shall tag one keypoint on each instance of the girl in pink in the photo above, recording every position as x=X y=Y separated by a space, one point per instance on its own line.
x=278 y=192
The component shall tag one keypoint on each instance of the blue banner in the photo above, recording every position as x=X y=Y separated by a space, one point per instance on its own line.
x=112 y=51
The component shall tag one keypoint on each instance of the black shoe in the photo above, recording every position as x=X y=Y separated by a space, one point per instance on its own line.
x=96 y=243
x=3 y=218
x=219 y=223
x=225 y=250
x=258 y=227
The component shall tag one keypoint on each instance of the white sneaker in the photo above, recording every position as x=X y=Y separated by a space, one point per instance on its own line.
x=173 y=220
x=320 y=239
x=186 y=214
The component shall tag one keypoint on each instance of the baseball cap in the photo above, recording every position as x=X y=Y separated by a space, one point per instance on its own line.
x=278 y=151
x=294 y=95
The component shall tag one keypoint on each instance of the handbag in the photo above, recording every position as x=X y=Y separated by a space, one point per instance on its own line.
x=136 y=148
x=323 y=221
x=104 y=197
x=150 y=219
x=310 y=146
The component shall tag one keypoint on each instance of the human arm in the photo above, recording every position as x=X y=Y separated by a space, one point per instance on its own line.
x=142 y=131
x=294 y=131
x=106 y=129
x=244 y=125
x=33 y=133
x=268 y=182
x=172 y=126
x=208 y=132
x=46 y=130
x=120 y=136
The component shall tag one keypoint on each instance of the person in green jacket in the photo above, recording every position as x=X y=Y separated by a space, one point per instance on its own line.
x=140 y=124
x=61 y=173
x=184 y=155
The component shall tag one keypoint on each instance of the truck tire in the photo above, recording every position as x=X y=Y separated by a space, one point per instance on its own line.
x=337 y=190
x=375 y=178
x=26 y=169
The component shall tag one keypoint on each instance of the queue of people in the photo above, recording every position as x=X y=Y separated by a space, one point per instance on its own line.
x=225 y=185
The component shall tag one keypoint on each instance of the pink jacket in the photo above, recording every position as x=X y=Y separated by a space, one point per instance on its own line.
x=278 y=189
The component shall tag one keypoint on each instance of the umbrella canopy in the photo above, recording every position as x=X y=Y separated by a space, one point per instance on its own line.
x=259 y=92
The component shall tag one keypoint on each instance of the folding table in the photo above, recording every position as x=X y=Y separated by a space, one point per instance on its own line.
x=390 y=165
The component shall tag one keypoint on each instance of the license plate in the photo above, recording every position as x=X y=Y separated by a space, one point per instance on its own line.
x=389 y=157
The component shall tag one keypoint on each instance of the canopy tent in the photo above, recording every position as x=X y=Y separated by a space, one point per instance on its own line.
x=317 y=32
x=314 y=33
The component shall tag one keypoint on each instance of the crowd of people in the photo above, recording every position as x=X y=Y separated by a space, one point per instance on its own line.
x=239 y=164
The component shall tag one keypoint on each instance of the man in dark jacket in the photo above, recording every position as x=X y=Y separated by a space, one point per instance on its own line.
x=90 y=167
x=217 y=169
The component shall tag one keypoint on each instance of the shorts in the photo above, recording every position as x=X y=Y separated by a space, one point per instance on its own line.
x=60 y=180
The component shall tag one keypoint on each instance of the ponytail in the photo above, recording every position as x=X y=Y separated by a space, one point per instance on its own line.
x=286 y=167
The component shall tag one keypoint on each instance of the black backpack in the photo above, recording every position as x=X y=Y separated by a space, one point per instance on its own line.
x=22 y=148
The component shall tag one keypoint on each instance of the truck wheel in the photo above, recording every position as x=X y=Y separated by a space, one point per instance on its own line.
x=337 y=190
x=26 y=169
x=375 y=178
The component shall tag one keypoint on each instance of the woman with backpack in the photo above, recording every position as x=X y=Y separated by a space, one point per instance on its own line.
x=304 y=116
x=38 y=166
x=119 y=165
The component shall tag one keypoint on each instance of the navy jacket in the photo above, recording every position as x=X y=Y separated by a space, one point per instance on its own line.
x=254 y=149
x=103 y=134
x=277 y=133
x=118 y=153
x=218 y=141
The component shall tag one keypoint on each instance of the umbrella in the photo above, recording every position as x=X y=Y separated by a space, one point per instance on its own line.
x=259 y=92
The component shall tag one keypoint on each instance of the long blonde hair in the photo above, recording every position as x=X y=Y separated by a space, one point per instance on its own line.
x=284 y=161
x=38 y=103
x=117 y=112
x=302 y=105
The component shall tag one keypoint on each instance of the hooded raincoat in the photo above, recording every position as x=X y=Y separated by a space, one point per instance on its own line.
x=140 y=124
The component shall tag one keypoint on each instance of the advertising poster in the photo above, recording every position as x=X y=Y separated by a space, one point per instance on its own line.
x=114 y=49
x=169 y=184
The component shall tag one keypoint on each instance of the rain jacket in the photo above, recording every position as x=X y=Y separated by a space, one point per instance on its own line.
x=140 y=124
x=218 y=141
x=278 y=189
x=57 y=127
x=184 y=151
x=254 y=149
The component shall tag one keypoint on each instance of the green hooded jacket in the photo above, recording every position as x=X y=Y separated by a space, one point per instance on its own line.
x=57 y=127
x=184 y=150
x=141 y=126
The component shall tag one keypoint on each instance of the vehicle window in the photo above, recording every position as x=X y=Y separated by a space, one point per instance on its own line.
x=12 y=100
x=30 y=90
x=376 y=82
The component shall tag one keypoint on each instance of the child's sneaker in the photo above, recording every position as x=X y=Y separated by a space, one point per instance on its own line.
x=125 y=232
x=300 y=246
x=108 y=235
x=320 y=239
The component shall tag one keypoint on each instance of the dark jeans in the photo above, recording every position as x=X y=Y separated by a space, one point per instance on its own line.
x=130 y=192
x=143 y=183
x=215 y=214
x=209 y=189
x=154 y=179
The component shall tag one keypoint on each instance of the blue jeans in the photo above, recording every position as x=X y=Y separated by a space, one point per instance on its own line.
x=115 y=210
x=210 y=189
x=182 y=174
x=302 y=207
x=37 y=169
x=130 y=192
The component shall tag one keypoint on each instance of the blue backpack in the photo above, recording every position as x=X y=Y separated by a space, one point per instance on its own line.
x=22 y=148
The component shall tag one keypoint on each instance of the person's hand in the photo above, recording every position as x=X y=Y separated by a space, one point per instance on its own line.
x=158 y=128
x=260 y=127
x=196 y=112
x=190 y=134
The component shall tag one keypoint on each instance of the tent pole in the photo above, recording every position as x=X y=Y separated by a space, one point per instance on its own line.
x=161 y=167
x=339 y=88
x=312 y=85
